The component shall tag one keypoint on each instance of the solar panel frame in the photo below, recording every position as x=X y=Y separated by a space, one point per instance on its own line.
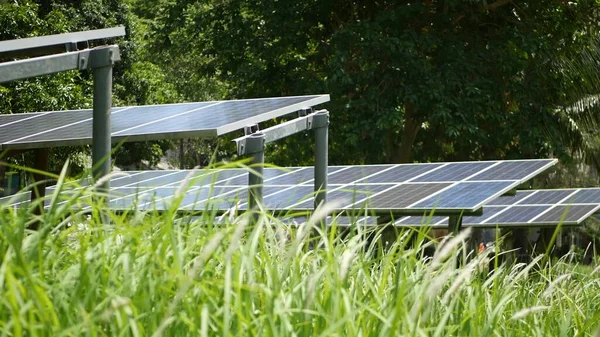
x=80 y=129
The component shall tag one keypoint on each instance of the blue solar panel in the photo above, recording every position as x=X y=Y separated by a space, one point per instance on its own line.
x=355 y=173
x=304 y=175
x=354 y=194
x=404 y=195
x=488 y=214
x=400 y=173
x=397 y=192
x=213 y=116
x=463 y=195
x=202 y=119
x=547 y=197
x=158 y=178
x=586 y=196
x=286 y=197
x=148 y=114
x=149 y=178
x=425 y=220
x=511 y=170
x=517 y=214
x=270 y=175
x=509 y=200
x=227 y=198
x=454 y=172
x=574 y=213
x=537 y=207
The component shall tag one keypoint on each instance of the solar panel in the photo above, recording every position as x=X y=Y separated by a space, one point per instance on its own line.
x=153 y=122
x=355 y=188
x=568 y=207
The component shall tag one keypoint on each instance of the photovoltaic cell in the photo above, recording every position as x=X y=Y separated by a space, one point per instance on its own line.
x=217 y=115
x=540 y=208
x=349 y=195
x=547 y=197
x=586 y=196
x=510 y=200
x=573 y=213
x=45 y=122
x=149 y=114
x=488 y=214
x=7 y=120
x=162 y=197
x=217 y=198
x=146 y=176
x=464 y=195
x=510 y=170
x=122 y=119
x=355 y=173
x=404 y=195
x=454 y=172
x=241 y=178
x=516 y=214
x=400 y=173
x=287 y=197
x=175 y=178
x=422 y=221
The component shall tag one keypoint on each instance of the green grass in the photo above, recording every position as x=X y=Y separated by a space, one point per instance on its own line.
x=153 y=275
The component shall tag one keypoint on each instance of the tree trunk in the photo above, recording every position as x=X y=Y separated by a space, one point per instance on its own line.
x=402 y=154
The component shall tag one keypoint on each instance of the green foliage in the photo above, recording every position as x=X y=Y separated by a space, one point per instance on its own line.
x=434 y=80
x=136 y=81
x=158 y=274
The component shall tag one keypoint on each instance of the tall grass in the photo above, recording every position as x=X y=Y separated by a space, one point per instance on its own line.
x=158 y=275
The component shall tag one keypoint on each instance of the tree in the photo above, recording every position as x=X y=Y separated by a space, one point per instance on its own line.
x=424 y=80
x=136 y=80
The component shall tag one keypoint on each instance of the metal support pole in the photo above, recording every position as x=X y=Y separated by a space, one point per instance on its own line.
x=455 y=223
x=520 y=244
x=181 y=155
x=2 y=177
x=256 y=149
x=321 y=127
x=101 y=141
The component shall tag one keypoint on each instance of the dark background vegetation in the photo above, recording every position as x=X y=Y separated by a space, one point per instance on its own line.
x=409 y=80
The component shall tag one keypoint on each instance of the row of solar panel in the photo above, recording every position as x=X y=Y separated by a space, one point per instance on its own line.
x=203 y=119
x=538 y=207
x=374 y=174
x=400 y=189
x=568 y=207
x=416 y=196
x=223 y=198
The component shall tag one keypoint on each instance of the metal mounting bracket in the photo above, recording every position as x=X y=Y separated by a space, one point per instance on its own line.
x=304 y=112
x=250 y=129
x=320 y=119
x=281 y=130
